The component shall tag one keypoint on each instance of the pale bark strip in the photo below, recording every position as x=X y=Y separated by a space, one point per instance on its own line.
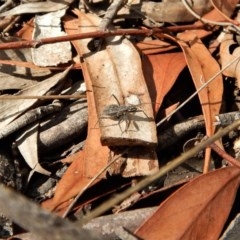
x=31 y=217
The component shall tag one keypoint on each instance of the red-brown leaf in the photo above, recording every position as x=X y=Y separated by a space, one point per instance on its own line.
x=161 y=71
x=198 y=210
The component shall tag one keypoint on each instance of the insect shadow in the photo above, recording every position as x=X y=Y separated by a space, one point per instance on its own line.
x=120 y=113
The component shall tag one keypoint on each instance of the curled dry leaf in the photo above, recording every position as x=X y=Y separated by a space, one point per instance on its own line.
x=12 y=109
x=14 y=76
x=225 y=8
x=116 y=71
x=37 y=7
x=70 y=184
x=202 y=67
x=93 y=147
x=27 y=144
x=229 y=49
x=198 y=210
x=49 y=25
x=161 y=71
x=165 y=11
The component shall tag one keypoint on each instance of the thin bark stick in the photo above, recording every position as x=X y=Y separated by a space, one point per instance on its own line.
x=31 y=217
x=44 y=97
x=198 y=90
x=96 y=34
x=29 y=117
x=164 y=170
x=110 y=14
x=225 y=155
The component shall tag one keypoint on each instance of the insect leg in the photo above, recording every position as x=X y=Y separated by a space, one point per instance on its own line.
x=116 y=99
x=141 y=110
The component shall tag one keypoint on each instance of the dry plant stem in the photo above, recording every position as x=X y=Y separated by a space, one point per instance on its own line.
x=96 y=34
x=44 y=97
x=164 y=170
x=110 y=14
x=11 y=25
x=200 y=89
x=90 y=183
x=64 y=127
x=6 y=5
x=143 y=15
x=29 y=117
x=224 y=15
x=171 y=135
x=124 y=233
x=224 y=155
x=187 y=6
x=128 y=219
x=31 y=217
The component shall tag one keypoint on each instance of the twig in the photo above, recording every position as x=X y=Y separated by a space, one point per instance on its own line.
x=31 y=217
x=11 y=25
x=171 y=135
x=200 y=89
x=6 y=5
x=224 y=155
x=29 y=117
x=226 y=17
x=225 y=119
x=45 y=97
x=96 y=34
x=164 y=170
x=124 y=233
x=110 y=14
x=151 y=20
x=91 y=182
x=206 y=21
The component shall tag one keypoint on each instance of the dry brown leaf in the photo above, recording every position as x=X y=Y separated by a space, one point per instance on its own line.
x=12 y=109
x=225 y=8
x=27 y=144
x=70 y=184
x=229 y=49
x=214 y=15
x=97 y=156
x=26 y=31
x=161 y=72
x=116 y=71
x=154 y=46
x=14 y=76
x=45 y=26
x=198 y=210
x=88 y=163
x=202 y=67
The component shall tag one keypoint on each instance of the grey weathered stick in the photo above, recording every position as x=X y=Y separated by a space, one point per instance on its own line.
x=164 y=170
x=171 y=135
x=110 y=14
x=64 y=127
x=105 y=226
x=29 y=117
x=31 y=217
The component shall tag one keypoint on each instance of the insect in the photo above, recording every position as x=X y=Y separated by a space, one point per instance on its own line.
x=121 y=112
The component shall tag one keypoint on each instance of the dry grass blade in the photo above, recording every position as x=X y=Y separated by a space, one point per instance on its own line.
x=192 y=212
x=164 y=170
